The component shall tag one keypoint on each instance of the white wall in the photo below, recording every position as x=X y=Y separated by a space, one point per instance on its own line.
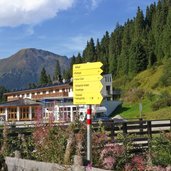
x=107 y=81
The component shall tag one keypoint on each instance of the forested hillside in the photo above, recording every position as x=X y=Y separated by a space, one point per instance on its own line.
x=142 y=42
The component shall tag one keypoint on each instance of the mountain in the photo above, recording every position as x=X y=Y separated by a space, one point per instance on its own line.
x=25 y=66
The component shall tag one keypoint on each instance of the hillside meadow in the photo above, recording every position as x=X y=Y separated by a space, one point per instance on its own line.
x=156 y=98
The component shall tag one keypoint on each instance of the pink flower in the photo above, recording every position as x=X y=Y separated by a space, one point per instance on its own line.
x=89 y=166
x=138 y=162
x=109 y=162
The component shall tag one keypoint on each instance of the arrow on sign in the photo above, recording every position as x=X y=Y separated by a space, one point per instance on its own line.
x=87 y=78
x=88 y=100
x=79 y=73
x=87 y=66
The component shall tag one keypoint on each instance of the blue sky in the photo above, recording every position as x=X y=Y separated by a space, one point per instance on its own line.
x=60 y=26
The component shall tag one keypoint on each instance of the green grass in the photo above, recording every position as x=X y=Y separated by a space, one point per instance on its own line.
x=148 y=81
x=131 y=111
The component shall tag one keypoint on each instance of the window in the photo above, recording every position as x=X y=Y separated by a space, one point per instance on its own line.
x=34 y=111
x=108 y=90
x=12 y=113
x=50 y=91
x=2 y=111
x=24 y=113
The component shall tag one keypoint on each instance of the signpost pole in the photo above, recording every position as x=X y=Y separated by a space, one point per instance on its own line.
x=89 y=145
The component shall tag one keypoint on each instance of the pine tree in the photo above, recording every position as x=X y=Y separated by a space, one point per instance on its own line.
x=98 y=50
x=115 y=46
x=166 y=44
x=150 y=13
x=32 y=85
x=138 y=59
x=139 y=24
x=158 y=26
x=73 y=61
x=2 y=91
x=123 y=61
x=104 y=58
x=43 y=77
x=66 y=74
x=49 y=79
x=89 y=54
x=78 y=59
x=57 y=74
x=150 y=50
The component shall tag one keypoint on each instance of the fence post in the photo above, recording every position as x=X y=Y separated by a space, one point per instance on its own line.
x=124 y=128
x=112 y=131
x=141 y=124
x=149 y=130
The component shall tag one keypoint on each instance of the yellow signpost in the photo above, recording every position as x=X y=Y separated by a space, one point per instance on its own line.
x=87 y=84
x=87 y=88
x=87 y=78
x=87 y=66
x=90 y=98
x=86 y=72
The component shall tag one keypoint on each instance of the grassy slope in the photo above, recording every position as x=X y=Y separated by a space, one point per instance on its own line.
x=131 y=111
x=146 y=80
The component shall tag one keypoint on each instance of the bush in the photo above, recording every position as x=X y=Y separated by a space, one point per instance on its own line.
x=150 y=96
x=164 y=101
x=161 y=150
x=133 y=95
x=165 y=79
x=113 y=156
x=161 y=104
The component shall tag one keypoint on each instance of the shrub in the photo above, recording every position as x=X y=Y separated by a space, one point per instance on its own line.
x=150 y=96
x=99 y=139
x=113 y=156
x=164 y=101
x=161 y=150
x=136 y=163
x=165 y=79
x=133 y=95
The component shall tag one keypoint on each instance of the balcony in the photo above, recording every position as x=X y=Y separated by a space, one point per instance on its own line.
x=52 y=95
x=12 y=98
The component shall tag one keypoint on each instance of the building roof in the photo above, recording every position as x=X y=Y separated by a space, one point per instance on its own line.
x=20 y=102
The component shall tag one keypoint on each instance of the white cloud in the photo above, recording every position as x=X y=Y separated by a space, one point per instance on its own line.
x=95 y=3
x=31 y=12
x=30 y=30
x=77 y=43
x=91 y=4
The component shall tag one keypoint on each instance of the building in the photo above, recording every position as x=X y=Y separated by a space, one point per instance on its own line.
x=53 y=100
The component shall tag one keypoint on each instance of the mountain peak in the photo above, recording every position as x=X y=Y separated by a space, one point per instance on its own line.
x=24 y=67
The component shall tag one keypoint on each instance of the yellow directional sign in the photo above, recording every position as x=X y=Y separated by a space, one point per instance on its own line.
x=87 y=84
x=87 y=66
x=94 y=71
x=88 y=100
x=87 y=78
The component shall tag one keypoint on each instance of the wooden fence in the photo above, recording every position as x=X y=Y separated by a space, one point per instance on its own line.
x=139 y=132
